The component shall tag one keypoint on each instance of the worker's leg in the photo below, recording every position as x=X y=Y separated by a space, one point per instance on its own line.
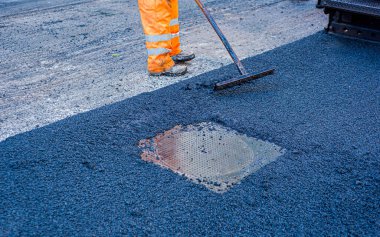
x=177 y=54
x=155 y=18
x=174 y=28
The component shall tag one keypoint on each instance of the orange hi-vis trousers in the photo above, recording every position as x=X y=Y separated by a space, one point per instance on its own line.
x=160 y=22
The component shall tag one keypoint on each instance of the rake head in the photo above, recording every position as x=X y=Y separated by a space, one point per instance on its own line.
x=241 y=79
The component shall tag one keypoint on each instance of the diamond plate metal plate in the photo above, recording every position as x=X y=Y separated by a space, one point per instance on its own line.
x=209 y=154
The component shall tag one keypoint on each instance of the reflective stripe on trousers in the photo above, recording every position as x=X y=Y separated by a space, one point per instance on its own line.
x=158 y=38
x=174 y=22
x=158 y=51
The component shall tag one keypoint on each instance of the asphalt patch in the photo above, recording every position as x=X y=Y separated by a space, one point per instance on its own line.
x=209 y=154
x=83 y=176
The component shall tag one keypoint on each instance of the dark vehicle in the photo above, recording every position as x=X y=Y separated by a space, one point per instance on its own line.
x=353 y=18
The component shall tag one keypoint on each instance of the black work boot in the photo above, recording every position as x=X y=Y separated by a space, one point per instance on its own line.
x=183 y=57
x=175 y=71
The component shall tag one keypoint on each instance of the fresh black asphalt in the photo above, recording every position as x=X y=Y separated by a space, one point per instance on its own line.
x=82 y=176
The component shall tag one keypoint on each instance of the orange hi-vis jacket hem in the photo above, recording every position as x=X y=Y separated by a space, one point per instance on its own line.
x=161 y=27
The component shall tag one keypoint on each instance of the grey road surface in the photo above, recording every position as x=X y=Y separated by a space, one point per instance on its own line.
x=60 y=58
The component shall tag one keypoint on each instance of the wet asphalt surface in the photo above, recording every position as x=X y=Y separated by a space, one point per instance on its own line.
x=82 y=176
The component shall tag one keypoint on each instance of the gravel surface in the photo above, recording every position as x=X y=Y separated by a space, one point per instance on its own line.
x=60 y=58
x=82 y=176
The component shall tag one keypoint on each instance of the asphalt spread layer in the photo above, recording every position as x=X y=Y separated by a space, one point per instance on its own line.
x=83 y=175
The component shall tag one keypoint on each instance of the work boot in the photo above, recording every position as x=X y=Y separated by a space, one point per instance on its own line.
x=183 y=57
x=175 y=71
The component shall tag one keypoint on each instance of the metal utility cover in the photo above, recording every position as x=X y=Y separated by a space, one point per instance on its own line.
x=209 y=154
